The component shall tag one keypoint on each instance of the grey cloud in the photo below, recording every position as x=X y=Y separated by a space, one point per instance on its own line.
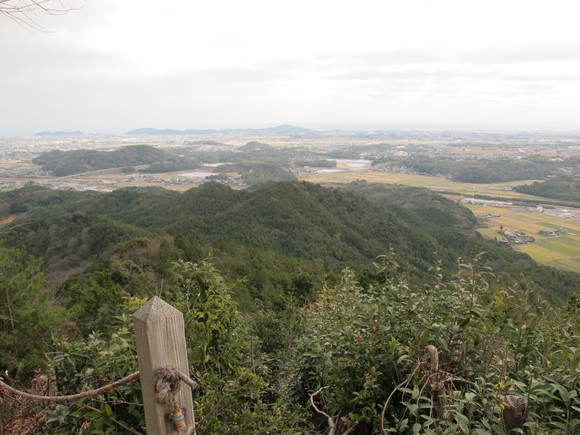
x=455 y=76
x=452 y=84
x=439 y=56
x=41 y=62
x=384 y=57
x=244 y=75
x=542 y=78
x=375 y=74
x=523 y=54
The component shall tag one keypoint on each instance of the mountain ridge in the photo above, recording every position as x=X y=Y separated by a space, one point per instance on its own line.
x=282 y=129
x=330 y=227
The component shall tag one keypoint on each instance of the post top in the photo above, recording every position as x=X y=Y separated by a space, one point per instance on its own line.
x=156 y=308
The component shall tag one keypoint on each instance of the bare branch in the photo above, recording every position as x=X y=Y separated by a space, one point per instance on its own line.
x=401 y=385
x=331 y=420
x=23 y=12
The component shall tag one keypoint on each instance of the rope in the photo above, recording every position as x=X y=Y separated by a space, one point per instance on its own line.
x=174 y=375
x=72 y=397
x=167 y=385
x=167 y=379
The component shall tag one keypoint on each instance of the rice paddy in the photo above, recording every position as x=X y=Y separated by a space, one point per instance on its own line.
x=558 y=250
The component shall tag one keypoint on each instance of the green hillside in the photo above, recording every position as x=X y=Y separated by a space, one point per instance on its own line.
x=71 y=243
x=419 y=207
x=62 y=163
x=565 y=188
x=331 y=227
x=302 y=220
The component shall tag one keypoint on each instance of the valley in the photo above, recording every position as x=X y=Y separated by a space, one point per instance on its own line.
x=376 y=157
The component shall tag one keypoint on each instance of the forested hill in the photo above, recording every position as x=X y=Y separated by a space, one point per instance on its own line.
x=303 y=220
x=62 y=163
x=421 y=208
x=566 y=188
x=272 y=326
x=330 y=227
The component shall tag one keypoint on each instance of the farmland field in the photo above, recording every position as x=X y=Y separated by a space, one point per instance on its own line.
x=435 y=183
x=561 y=251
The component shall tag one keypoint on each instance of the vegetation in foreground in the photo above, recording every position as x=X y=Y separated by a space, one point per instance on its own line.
x=281 y=344
x=358 y=357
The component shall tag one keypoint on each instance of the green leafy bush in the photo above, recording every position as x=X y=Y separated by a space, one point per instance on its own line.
x=369 y=355
x=27 y=316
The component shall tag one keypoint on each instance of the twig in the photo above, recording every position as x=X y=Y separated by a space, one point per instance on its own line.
x=22 y=12
x=402 y=384
x=331 y=422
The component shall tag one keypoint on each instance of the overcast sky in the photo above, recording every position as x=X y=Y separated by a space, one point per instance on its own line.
x=112 y=66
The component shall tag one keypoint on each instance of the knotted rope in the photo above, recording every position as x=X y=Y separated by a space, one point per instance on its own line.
x=167 y=385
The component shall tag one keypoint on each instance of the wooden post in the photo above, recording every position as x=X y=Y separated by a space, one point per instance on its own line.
x=512 y=414
x=160 y=336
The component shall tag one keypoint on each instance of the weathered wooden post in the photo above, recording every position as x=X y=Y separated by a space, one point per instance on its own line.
x=160 y=335
x=512 y=414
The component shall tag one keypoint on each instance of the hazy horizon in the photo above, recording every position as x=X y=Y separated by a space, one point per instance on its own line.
x=320 y=127
x=108 y=67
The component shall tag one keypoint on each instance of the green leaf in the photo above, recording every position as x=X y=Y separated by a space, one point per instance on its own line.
x=413 y=408
x=415 y=393
x=470 y=396
x=402 y=358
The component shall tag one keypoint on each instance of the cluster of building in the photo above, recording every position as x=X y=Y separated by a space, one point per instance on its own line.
x=558 y=232
x=515 y=237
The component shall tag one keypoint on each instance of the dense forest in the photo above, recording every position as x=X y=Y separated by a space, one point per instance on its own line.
x=483 y=170
x=566 y=188
x=63 y=163
x=307 y=308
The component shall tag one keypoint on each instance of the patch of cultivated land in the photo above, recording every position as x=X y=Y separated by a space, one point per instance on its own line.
x=555 y=250
x=441 y=184
x=563 y=253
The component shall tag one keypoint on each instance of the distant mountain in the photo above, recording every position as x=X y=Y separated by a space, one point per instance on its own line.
x=284 y=129
x=292 y=130
x=59 y=133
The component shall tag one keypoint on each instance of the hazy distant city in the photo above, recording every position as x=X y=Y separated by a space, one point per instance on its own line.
x=16 y=153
